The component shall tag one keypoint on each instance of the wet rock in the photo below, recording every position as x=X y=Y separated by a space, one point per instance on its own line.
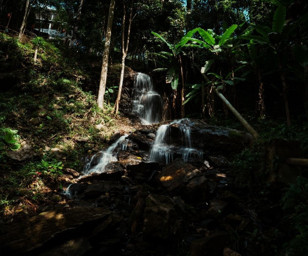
x=126 y=159
x=141 y=140
x=113 y=171
x=161 y=218
x=212 y=138
x=151 y=136
x=143 y=171
x=177 y=174
x=76 y=190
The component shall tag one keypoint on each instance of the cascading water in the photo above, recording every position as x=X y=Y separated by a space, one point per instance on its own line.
x=147 y=104
x=107 y=157
x=162 y=151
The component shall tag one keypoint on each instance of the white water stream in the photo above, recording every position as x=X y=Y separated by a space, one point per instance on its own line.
x=147 y=104
x=107 y=156
x=163 y=152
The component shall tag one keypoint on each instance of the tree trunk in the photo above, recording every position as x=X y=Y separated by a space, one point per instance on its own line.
x=24 y=21
x=284 y=93
x=261 y=102
x=8 y=23
x=77 y=19
x=182 y=88
x=35 y=54
x=124 y=54
x=202 y=100
x=237 y=114
x=103 y=78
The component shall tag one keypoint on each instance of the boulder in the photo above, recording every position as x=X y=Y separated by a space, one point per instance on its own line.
x=212 y=245
x=175 y=175
x=33 y=233
x=210 y=138
x=161 y=217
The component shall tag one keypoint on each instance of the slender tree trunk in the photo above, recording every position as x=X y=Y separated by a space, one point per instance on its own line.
x=24 y=21
x=8 y=23
x=284 y=93
x=182 y=88
x=35 y=54
x=124 y=54
x=77 y=19
x=103 y=78
x=202 y=100
x=306 y=92
x=261 y=102
x=237 y=114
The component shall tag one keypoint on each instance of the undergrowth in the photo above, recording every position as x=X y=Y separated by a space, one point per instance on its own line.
x=44 y=107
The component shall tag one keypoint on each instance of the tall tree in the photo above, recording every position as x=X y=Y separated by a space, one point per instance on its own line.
x=77 y=20
x=103 y=78
x=24 y=21
x=124 y=52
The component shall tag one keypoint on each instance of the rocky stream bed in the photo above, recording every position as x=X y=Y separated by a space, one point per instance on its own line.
x=139 y=207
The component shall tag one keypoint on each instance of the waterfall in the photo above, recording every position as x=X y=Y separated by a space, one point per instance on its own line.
x=106 y=157
x=162 y=151
x=147 y=104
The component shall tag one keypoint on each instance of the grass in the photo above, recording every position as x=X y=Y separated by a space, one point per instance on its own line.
x=52 y=114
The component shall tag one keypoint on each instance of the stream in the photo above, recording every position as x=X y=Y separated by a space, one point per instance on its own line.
x=151 y=192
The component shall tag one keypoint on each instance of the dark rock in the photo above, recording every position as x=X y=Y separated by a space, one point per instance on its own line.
x=161 y=218
x=95 y=190
x=127 y=159
x=211 y=138
x=143 y=171
x=219 y=161
x=141 y=140
x=196 y=190
x=113 y=171
x=175 y=175
x=212 y=245
x=52 y=226
x=76 y=190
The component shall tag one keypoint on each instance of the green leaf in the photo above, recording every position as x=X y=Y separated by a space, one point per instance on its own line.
x=170 y=46
x=216 y=75
x=227 y=34
x=159 y=69
x=263 y=30
x=185 y=39
x=279 y=19
x=206 y=36
x=230 y=82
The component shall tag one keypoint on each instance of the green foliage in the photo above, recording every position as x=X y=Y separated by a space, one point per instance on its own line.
x=38 y=41
x=227 y=34
x=9 y=140
x=279 y=19
x=248 y=168
x=47 y=168
x=295 y=203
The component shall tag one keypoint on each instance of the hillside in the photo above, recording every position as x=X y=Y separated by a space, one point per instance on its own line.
x=49 y=118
